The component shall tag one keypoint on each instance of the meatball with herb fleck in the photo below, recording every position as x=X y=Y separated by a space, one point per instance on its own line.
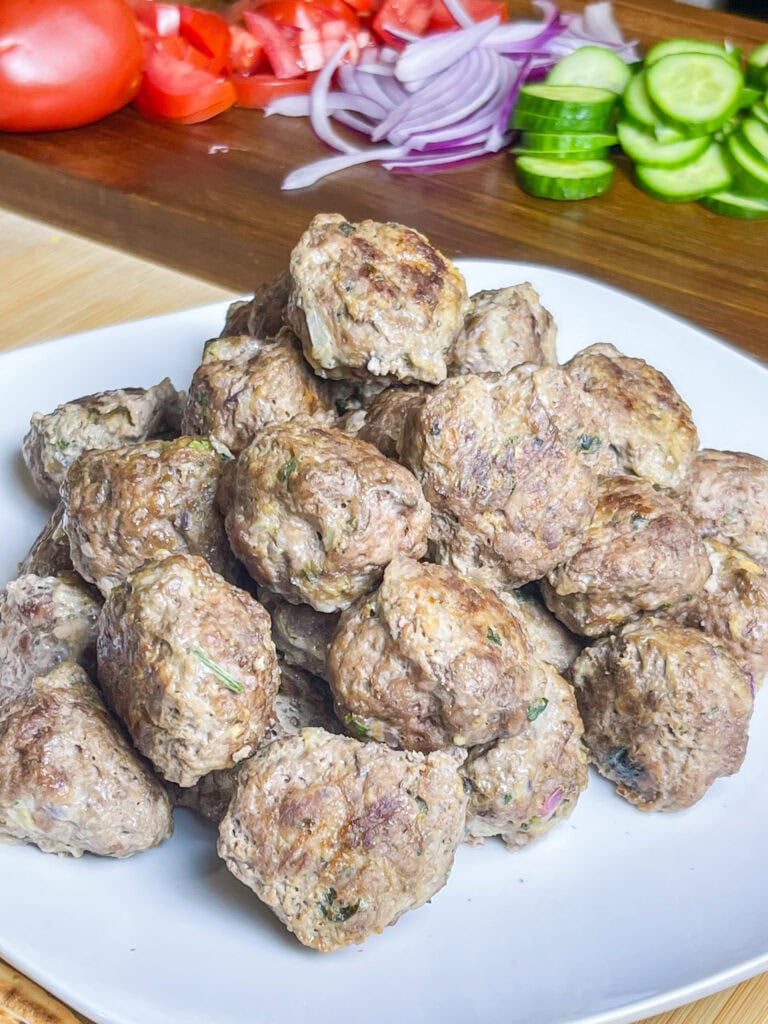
x=666 y=712
x=647 y=423
x=44 y=621
x=430 y=659
x=187 y=662
x=341 y=838
x=69 y=782
x=641 y=552
x=501 y=462
x=233 y=397
x=726 y=493
x=129 y=505
x=504 y=328
x=316 y=515
x=374 y=300
x=522 y=785
x=108 y=419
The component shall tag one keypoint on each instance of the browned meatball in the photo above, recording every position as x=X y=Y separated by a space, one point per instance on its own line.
x=549 y=640
x=49 y=554
x=340 y=838
x=501 y=462
x=317 y=515
x=129 y=505
x=44 y=621
x=641 y=552
x=503 y=329
x=727 y=495
x=234 y=398
x=732 y=608
x=302 y=701
x=187 y=662
x=261 y=316
x=300 y=633
x=385 y=419
x=374 y=300
x=430 y=659
x=666 y=712
x=105 y=420
x=69 y=782
x=647 y=423
x=522 y=785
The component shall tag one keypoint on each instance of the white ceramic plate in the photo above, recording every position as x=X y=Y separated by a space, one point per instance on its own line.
x=615 y=916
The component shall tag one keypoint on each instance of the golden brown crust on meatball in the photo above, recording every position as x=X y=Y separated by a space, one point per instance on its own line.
x=374 y=300
x=261 y=316
x=341 y=838
x=666 y=711
x=385 y=419
x=49 y=554
x=316 y=514
x=187 y=662
x=69 y=782
x=300 y=633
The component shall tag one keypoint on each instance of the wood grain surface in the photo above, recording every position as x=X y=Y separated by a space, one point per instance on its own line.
x=157 y=189
x=54 y=282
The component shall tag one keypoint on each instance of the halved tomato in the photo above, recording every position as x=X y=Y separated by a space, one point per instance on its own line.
x=173 y=89
x=259 y=90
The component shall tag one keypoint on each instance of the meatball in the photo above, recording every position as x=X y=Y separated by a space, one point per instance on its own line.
x=641 y=552
x=666 y=712
x=132 y=504
x=49 y=554
x=44 y=621
x=374 y=300
x=302 y=702
x=261 y=316
x=69 y=782
x=501 y=462
x=732 y=608
x=727 y=495
x=385 y=419
x=647 y=423
x=187 y=662
x=503 y=329
x=341 y=838
x=300 y=634
x=235 y=398
x=430 y=659
x=549 y=640
x=316 y=514
x=105 y=420
x=522 y=785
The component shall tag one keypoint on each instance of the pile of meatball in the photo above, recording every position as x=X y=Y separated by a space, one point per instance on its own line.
x=386 y=578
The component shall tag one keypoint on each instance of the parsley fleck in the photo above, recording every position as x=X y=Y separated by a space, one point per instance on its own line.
x=311 y=573
x=494 y=636
x=508 y=798
x=221 y=673
x=536 y=709
x=286 y=471
x=588 y=443
x=423 y=805
x=62 y=445
x=335 y=912
x=201 y=398
x=346 y=228
x=353 y=722
x=468 y=787
x=623 y=767
x=435 y=429
x=200 y=444
x=637 y=520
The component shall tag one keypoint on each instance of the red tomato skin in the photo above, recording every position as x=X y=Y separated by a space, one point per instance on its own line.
x=411 y=15
x=207 y=32
x=174 y=90
x=66 y=63
x=442 y=20
x=257 y=91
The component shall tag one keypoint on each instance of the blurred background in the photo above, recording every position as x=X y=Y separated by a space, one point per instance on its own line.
x=755 y=8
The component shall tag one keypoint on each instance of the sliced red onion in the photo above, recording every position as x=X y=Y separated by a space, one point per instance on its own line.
x=500 y=130
x=436 y=53
x=436 y=161
x=552 y=802
x=458 y=13
x=300 y=106
x=318 y=108
x=310 y=173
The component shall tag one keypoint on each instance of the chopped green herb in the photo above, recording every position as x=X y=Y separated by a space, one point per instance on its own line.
x=588 y=443
x=201 y=398
x=346 y=228
x=514 y=439
x=468 y=787
x=423 y=805
x=62 y=445
x=435 y=430
x=334 y=912
x=286 y=471
x=508 y=798
x=623 y=767
x=200 y=444
x=688 y=597
x=536 y=709
x=494 y=636
x=637 y=520
x=353 y=722
x=311 y=574
x=221 y=673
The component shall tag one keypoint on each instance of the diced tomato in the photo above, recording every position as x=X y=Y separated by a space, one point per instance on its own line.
x=207 y=32
x=362 y=6
x=410 y=15
x=478 y=10
x=162 y=19
x=297 y=13
x=246 y=54
x=280 y=44
x=259 y=90
x=338 y=10
x=175 y=90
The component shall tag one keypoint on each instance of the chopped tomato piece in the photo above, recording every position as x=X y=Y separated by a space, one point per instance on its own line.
x=246 y=54
x=297 y=13
x=362 y=6
x=410 y=15
x=280 y=44
x=338 y=10
x=162 y=19
x=207 y=32
x=175 y=90
x=478 y=10
x=260 y=90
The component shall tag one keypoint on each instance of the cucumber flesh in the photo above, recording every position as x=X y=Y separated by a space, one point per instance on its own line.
x=644 y=148
x=698 y=90
x=547 y=154
x=564 y=107
x=757 y=67
x=733 y=204
x=755 y=134
x=751 y=171
x=669 y=46
x=637 y=102
x=708 y=173
x=748 y=97
x=567 y=142
x=760 y=111
x=592 y=65
x=564 y=179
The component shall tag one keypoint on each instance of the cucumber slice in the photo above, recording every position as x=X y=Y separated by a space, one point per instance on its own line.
x=748 y=97
x=568 y=142
x=760 y=111
x=645 y=148
x=600 y=153
x=708 y=173
x=567 y=107
x=755 y=134
x=733 y=204
x=564 y=179
x=669 y=46
x=695 y=90
x=751 y=170
x=757 y=67
x=638 y=107
x=592 y=65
